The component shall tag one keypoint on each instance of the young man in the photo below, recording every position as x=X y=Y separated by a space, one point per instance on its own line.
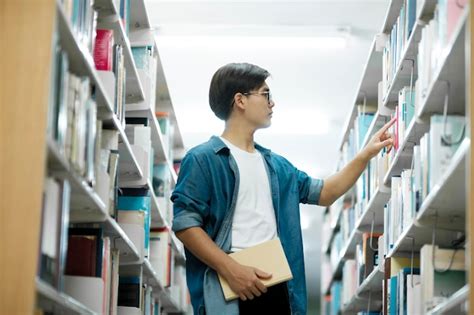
x=233 y=194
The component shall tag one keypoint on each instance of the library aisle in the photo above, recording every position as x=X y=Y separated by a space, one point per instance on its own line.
x=91 y=150
x=398 y=241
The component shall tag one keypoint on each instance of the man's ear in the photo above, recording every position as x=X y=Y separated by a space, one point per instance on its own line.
x=239 y=100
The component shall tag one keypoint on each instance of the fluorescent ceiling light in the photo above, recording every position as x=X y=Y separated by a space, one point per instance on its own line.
x=256 y=42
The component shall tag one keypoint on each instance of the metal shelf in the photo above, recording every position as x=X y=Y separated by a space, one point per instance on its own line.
x=168 y=303
x=157 y=217
x=85 y=204
x=139 y=19
x=51 y=300
x=374 y=212
x=455 y=304
x=129 y=169
x=151 y=278
x=156 y=140
x=156 y=136
x=404 y=156
x=347 y=252
x=406 y=63
x=393 y=11
x=369 y=289
x=415 y=236
x=370 y=132
x=121 y=241
x=350 y=246
x=373 y=283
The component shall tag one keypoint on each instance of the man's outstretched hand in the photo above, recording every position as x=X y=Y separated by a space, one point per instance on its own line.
x=381 y=139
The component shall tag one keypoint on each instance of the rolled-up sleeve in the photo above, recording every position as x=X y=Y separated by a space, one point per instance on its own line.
x=309 y=188
x=191 y=195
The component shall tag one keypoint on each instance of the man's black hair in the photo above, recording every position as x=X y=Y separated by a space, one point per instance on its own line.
x=231 y=79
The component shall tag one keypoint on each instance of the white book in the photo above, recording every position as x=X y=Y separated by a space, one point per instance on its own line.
x=51 y=215
x=414 y=305
x=87 y=290
x=139 y=135
x=444 y=139
x=110 y=139
x=407 y=213
x=395 y=209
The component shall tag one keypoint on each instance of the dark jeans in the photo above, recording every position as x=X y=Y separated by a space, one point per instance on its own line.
x=275 y=301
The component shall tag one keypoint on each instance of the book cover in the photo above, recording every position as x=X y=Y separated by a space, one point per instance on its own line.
x=269 y=257
x=104 y=42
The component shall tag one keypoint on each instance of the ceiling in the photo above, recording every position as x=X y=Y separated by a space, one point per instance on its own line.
x=313 y=83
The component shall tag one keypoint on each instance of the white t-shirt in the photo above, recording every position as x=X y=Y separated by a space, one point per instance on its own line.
x=254 y=217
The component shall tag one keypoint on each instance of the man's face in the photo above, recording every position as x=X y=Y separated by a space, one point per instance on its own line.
x=259 y=107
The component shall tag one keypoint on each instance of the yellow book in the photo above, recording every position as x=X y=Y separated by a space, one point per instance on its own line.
x=269 y=257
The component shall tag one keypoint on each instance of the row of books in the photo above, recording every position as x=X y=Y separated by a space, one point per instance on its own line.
x=431 y=158
x=146 y=62
x=364 y=117
x=82 y=257
x=110 y=64
x=82 y=260
x=72 y=116
x=396 y=41
x=435 y=37
x=411 y=285
x=83 y=17
x=93 y=277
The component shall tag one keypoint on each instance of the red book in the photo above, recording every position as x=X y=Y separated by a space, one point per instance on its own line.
x=81 y=255
x=396 y=128
x=103 y=49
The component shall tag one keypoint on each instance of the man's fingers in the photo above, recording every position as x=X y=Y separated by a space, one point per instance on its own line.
x=387 y=142
x=387 y=125
x=249 y=295
x=261 y=287
x=255 y=291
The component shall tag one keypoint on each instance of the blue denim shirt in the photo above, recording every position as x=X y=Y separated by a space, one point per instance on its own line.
x=206 y=195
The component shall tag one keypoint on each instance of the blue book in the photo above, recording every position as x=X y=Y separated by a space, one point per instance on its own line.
x=363 y=124
x=133 y=203
x=393 y=300
x=336 y=289
x=411 y=17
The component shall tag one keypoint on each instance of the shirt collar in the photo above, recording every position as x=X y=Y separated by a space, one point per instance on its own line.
x=218 y=145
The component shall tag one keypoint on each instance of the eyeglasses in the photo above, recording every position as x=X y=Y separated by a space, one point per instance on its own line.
x=267 y=94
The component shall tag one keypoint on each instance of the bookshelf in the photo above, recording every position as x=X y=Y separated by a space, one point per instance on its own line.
x=53 y=301
x=385 y=207
x=25 y=131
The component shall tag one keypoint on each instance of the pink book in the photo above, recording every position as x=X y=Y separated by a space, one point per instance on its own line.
x=455 y=9
x=103 y=49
